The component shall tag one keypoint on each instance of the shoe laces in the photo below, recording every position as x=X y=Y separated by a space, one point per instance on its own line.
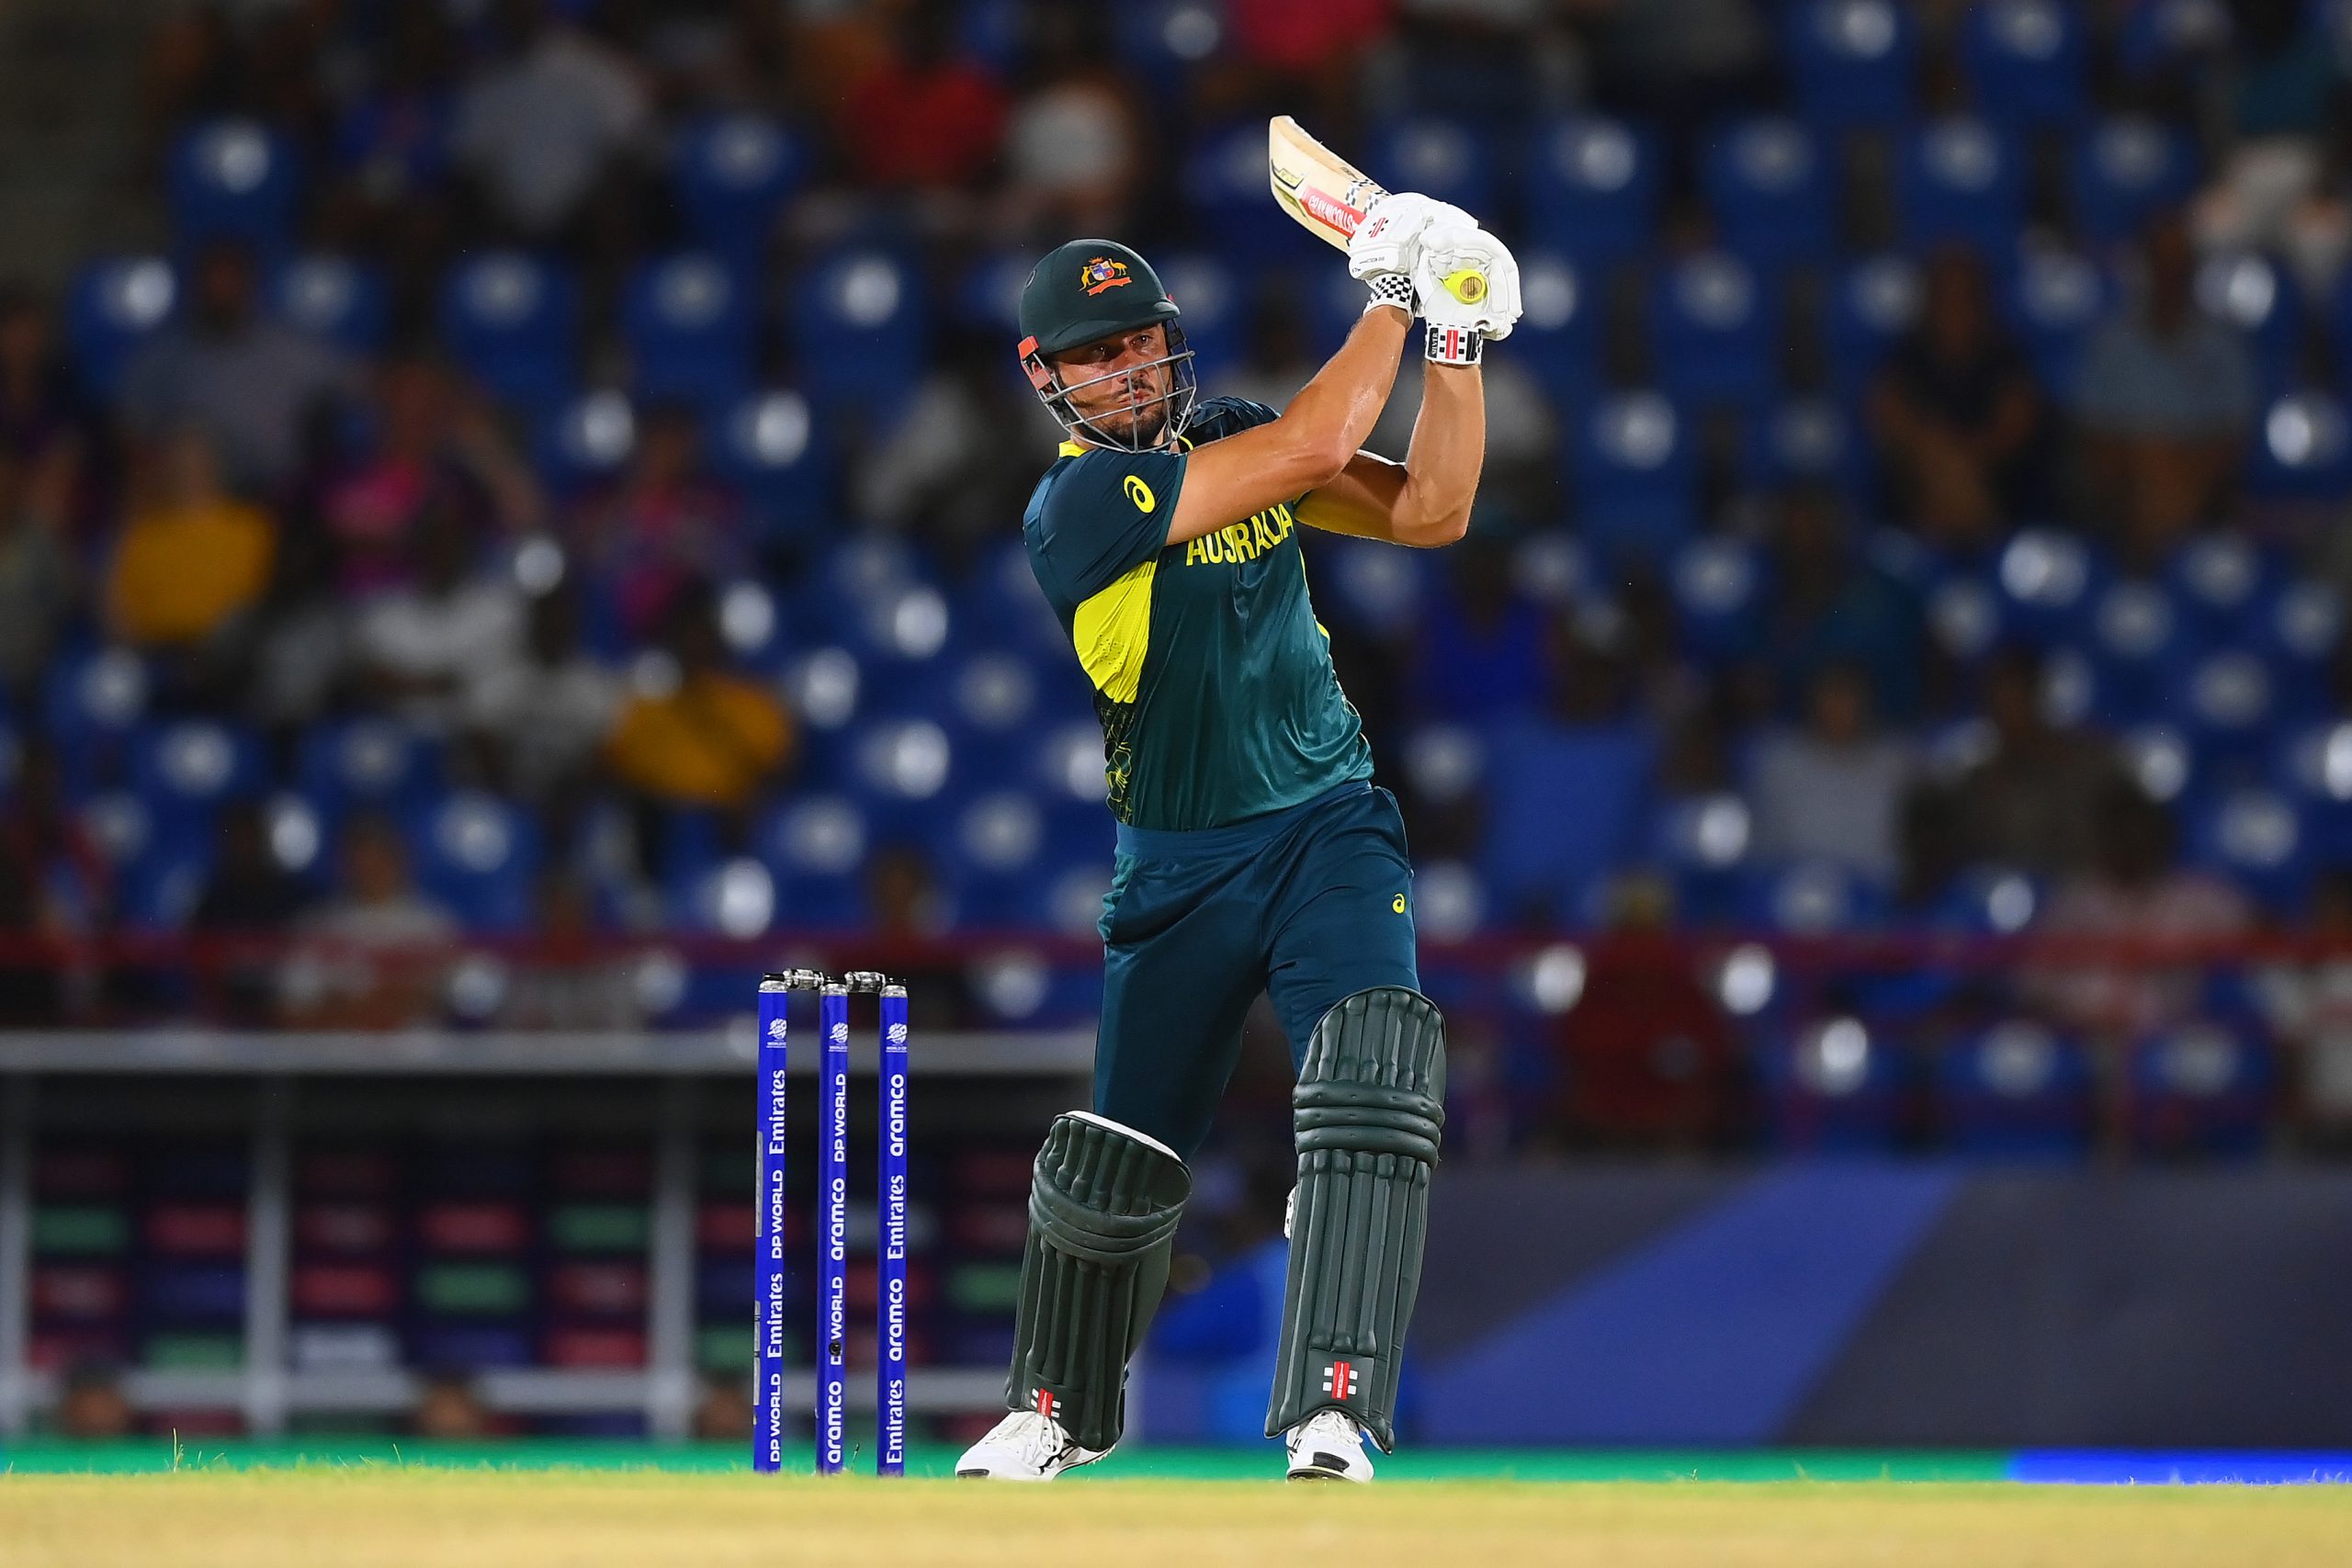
x=1039 y=1438
x=1329 y=1427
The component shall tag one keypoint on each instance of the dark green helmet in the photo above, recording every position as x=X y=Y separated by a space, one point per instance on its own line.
x=1089 y=289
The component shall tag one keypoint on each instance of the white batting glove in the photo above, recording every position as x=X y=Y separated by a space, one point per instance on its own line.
x=1388 y=242
x=1467 y=284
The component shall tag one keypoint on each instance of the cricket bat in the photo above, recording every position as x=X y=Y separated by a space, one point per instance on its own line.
x=1328 y=195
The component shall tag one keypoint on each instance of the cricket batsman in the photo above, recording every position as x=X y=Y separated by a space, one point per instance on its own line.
x=1254 y=853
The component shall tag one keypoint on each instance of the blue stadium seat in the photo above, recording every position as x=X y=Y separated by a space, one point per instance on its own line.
x=690 y=323
x=2139 y=643
x=989 y=295
x=2301 y=628
x=335 y=299
x=511 y=320
x=1559 y=333
x=2019 y=1089
x=2221 y=582
x=2201 y=1089
x=117 y=304
x=1986 y=900
x=1537 y=856
x=587 y=441
x=183 y=769
x=1770 y=186
x=2256 y=295
x=1225 y=182
x=2056 y=301
x=1635 y=475
x=1807 y=441
x=1718 y=597
x=234 y=179
x=1216 y=310
x=1811 y=900
x=771 y=446
x=373 y=763
x=1872 y=304
x=1716 y=331
x=1591 y=189
x=90 y=704
x=2047 y=576
x=2126 y=171
x=1830 y=1086
x=2226 y=704
x=478 y=854
x=733 y=174
x=858 y=319
x=1853 y=61
x=1440 y=158
x=2256 y=837
x=2160 y=37
x=1961 y=181
x=2302 y=448
x=815 y=845
x=1705 y=842
x=2027 y=60
x=993 y=852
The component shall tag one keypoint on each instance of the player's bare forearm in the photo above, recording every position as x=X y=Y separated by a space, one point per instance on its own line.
x=1424 y=500
x=1313 y=441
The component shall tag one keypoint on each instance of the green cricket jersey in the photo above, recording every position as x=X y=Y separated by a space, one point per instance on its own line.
x=1212 y=677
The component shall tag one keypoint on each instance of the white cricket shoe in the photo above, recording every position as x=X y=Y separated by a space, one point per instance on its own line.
x=1025 y=1446
x=1328 y=1446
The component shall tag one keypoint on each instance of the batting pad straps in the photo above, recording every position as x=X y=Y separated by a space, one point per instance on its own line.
x=1454 y=346
x=1104 y=1204
x=1369 y=1111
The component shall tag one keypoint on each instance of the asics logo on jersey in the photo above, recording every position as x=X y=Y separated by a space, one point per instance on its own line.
x=1140 y=493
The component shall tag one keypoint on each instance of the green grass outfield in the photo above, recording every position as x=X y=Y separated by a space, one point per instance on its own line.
x=1257 y=1462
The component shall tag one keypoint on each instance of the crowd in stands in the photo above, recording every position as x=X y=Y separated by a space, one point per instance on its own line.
x=559 y=469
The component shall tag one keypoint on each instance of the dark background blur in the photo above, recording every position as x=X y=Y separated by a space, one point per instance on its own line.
x=508 y=528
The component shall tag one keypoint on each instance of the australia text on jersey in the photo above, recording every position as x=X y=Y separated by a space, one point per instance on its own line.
x=1242 y=541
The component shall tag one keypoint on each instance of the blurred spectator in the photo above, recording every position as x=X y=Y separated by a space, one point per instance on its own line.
x=543 y=716
x=2132 y=888
x=1645 y=1054
x=1681 y=58
x=1482 y=645
x=1073 y=147
x=2310 y=1004
x=375 y=952
x=1279 y=361
x=1833 y=790
x=922 y=115
x=248 y=891
x=1830 y=605
x=570 y=981
x=392 y=144
x=669 y=525
x=422 y=646
x=2033 y=802
x=1957 y=410
x=550 y=124
x=954 y=466
x=436 y=442
x=38 y=583
x=2167 y=395
x=449 y=1409
x=54 y=882
x=248 y=382
x=192 y=558
x=44 y=423
x=723 y=1412
x=692 y=731
x=248 y=894
x=91 y=1407
x=904 y=903
x=301 y=645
